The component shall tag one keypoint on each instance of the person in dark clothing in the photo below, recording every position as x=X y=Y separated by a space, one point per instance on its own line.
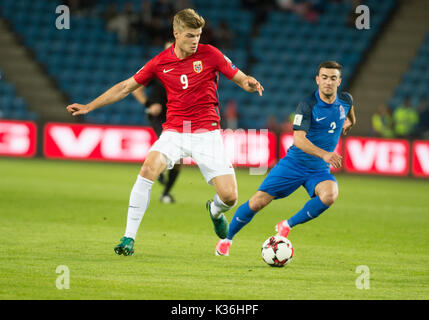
x=156 y=108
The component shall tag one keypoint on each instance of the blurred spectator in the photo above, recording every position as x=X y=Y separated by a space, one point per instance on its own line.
x=182 y=4
x=142 y=25
x=405 y=120
x=231 y=115
x=382 y=122
x=121 y=23
x=162 y=18
x=287 y=5
x=304 y=9
x=287 y=125
x=260 y=10
x=163 y=9
x=208 y=36
x=159 y=32
x=423 y=126
x=145 y=15
x=79 y=6
x=111 y=12
x=308 y=13
x=273 y=125
x=352 y=15
x=224 y=35
x=319 y=5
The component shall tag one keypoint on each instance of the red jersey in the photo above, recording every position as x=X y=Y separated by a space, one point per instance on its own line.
x=191 y=84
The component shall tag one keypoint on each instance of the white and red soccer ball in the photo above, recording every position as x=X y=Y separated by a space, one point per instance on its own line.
x=277 y=251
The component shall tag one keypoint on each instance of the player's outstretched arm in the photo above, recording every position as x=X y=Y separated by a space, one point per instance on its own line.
x=114 y=94
x=300 y=141
x=247 y=83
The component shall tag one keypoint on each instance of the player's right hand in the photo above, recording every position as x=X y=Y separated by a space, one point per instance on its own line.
x=333 y=159
x=77 y=109
x=253 y=85
x=154 y=109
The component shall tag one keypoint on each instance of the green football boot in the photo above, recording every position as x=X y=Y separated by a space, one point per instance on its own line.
x=125 y=247
x=220 y=225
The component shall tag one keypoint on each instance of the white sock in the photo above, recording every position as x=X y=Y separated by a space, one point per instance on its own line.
x=139 y=201
x=218 y=207
x=286 y=224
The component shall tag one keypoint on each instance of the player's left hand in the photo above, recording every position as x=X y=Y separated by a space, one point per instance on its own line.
x=77 y=109
x=347 y=126
x=254 y=85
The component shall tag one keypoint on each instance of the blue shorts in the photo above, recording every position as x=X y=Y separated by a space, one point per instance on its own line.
x=287 y=176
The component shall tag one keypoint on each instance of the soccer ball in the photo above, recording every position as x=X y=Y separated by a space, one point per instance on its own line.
x=277 y=251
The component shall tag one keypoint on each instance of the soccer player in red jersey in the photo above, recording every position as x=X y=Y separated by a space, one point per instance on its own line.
x=189 y=73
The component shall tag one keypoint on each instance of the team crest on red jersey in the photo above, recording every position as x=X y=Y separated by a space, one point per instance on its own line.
x=198 y=66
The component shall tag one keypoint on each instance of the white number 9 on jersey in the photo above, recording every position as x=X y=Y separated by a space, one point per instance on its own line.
x=184 y=81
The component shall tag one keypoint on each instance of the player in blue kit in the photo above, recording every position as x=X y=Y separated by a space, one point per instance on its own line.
x=318 y=123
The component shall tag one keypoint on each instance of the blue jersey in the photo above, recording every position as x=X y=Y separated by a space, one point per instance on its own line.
x=323 y=123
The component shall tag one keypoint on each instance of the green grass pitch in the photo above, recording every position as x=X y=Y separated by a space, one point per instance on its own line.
x=56 y=213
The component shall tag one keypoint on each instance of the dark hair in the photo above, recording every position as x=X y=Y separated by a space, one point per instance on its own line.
x=330 y=65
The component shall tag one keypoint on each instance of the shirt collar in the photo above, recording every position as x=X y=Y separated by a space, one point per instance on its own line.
x=323 y=103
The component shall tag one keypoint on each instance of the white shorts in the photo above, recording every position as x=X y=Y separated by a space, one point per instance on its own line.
x=206 y=149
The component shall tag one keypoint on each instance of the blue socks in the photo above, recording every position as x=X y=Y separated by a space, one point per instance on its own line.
x=312 y=209
x=242 y=216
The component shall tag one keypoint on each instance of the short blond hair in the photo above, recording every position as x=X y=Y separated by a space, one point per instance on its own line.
x=188 y=18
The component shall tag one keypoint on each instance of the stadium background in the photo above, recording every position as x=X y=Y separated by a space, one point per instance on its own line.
x=46 y=65
x=279 y=42
x=71 y=213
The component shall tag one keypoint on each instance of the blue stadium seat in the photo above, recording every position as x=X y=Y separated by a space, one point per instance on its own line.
x=12 y=106
x=288 y=49
x=415 y=82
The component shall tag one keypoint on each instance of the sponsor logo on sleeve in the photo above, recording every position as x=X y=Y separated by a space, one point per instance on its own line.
x=297 y=120
x=230 y=62
x=342 y=112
